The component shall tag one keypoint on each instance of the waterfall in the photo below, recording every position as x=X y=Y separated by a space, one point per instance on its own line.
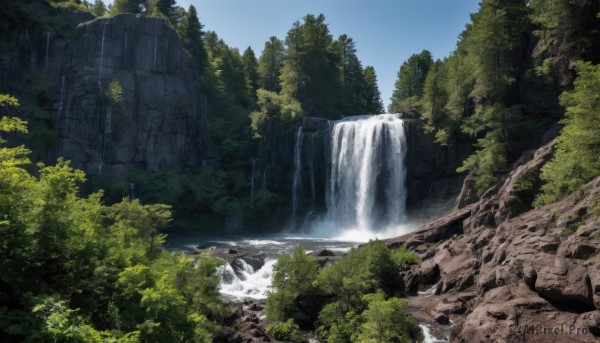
x=63 y=83
x=311 y=164
x=47 y=50
x=101 y=53
x=106 y=137
x=366 y=186
x=297 y=173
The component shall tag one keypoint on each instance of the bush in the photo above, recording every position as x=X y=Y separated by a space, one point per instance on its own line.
x=283 y=331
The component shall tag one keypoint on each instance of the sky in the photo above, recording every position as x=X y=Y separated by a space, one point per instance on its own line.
x=386 y=32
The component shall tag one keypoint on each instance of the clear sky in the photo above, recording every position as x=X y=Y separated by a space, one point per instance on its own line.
x=386 y=32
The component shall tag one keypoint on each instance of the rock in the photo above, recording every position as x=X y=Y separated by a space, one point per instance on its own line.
x=441 y=318
x=468 y=193
x=256 y=261
x=232 y=251
x=590 y=321
x=518 y=267
x=326 y=253
x=564 y=282
x=255 y=307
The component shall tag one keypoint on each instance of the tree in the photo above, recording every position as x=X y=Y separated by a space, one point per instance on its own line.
x=293 y=275
x=410 y=81
x=351 y=73
x=310 y=72
x=166 y=7
x=99 y=8
x=372 y=96
x=566 y=32
x=250 y=71
x=128 y=6
x=577 y=157
x=192 y=37
x=270 y=64
x=435 y=97
x=386 y=321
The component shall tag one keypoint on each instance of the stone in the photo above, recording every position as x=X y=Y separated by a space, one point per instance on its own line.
x=326 y=253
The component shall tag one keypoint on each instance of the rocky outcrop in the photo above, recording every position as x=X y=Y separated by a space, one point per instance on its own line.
x=531 y=275
x=430 y=169
x=156 y=122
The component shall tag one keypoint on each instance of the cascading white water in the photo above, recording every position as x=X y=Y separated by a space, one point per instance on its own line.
x=297 y=173
x=246 y=283
x=101 y=52
x=63 y=84
x=367 y=177
x=106 y=137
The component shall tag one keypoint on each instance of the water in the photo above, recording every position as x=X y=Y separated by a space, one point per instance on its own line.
x=63 y=92
x=241 y=281
x=367 y=177
x=102 y=52
x=297 y=173
x=427 y=336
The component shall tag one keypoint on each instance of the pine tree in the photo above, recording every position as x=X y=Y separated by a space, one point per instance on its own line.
x=270 y=64
x=409 y=84
x=166 y=7
x=192 y=36
x=372 y=96
x=251 y=71
x=98 y=9
x=577 y=157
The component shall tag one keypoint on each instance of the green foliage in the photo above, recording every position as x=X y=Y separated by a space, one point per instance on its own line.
x=283 y=331
x=576 y=160
x=293 y=276
x=410 y=82
x=372 y=97
x=273 y=106
x=270 y=63
x=347 y=295
x=192 y=36
x=75 y=270
x=250 y=65
x=128 y=6
x=98 y=9
x=386 y=321
x=404 y=258
x=114 y=92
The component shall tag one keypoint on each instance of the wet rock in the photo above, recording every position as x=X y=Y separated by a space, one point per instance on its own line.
x=255 y=307
x=441 y=318
x=232 y=251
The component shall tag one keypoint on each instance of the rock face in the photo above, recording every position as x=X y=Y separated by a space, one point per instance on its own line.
x=504 y=273
x=156 y=123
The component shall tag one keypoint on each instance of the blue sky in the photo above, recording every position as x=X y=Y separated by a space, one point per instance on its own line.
x=386 y=32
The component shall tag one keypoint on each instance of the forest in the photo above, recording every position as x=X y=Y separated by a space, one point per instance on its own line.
x=81 y=261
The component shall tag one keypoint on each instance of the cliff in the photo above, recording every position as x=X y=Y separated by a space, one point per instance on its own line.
x=502 y=272
x=156 y=122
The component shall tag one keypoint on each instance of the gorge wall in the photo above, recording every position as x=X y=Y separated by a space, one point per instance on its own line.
x=159 y=119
